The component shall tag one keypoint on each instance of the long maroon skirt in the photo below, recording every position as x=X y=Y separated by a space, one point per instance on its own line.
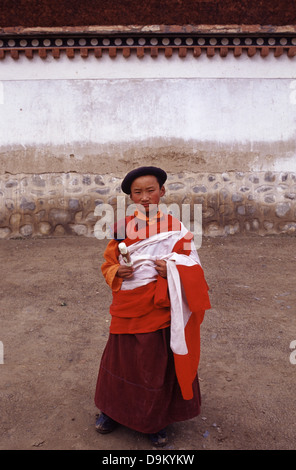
x=137 y=384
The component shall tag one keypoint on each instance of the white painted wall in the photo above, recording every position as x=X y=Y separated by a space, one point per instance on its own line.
x=224 y=101
x=147 y=67
x=101 y=111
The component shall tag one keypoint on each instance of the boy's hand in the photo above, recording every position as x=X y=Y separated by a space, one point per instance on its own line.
x=161 y=267
x=126 y=272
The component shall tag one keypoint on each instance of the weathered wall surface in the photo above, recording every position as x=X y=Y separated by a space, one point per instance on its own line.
x=54 y=204
x=223 y=130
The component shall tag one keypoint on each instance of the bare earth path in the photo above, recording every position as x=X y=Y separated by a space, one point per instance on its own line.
x=54 y=324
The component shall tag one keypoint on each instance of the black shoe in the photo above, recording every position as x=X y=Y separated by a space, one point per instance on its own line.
x=104 y=424
x=159 y=439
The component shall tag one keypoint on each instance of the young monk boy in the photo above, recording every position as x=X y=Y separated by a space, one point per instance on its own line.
x=148 y=372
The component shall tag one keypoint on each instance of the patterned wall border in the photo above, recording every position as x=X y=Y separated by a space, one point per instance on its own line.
x=141 y=43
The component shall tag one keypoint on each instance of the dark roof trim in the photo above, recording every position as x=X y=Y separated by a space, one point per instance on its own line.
x=47 y=13
x=149 y=40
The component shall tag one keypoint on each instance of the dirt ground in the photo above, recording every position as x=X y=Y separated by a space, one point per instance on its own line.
x=54 y=325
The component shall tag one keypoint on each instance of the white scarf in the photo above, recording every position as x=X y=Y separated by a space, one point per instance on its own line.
x=143 y=254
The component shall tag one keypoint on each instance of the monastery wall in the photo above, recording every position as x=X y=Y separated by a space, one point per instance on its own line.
x=222 y=127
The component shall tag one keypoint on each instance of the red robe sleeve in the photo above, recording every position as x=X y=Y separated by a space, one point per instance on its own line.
x=110 y=266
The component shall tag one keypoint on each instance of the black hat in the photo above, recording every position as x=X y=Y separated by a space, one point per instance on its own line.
x=142 y=171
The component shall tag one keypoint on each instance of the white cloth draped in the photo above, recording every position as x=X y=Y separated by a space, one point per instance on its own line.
x=143 y=254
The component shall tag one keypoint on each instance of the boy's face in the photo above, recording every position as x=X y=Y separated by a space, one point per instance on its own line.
x=145 y=190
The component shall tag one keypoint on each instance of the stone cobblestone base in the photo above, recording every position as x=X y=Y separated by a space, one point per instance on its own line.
x=59 y=204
